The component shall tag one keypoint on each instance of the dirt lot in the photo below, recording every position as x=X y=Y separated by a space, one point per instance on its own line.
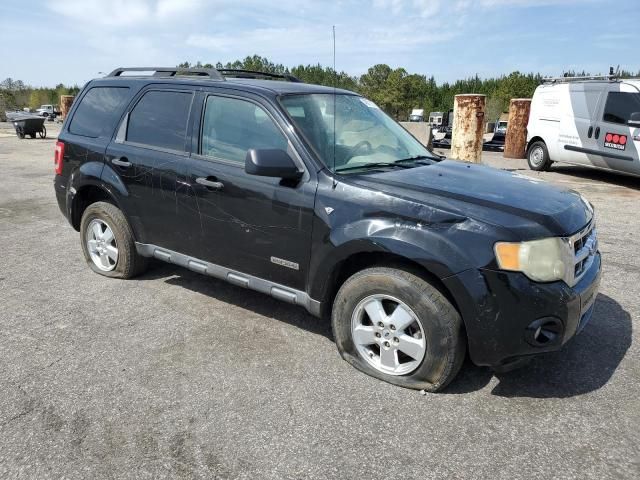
x=179 y=375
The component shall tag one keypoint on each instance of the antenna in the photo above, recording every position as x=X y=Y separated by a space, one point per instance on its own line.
x=334 y=106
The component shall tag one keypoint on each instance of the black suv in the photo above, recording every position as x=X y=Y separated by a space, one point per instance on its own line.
x=314 y=196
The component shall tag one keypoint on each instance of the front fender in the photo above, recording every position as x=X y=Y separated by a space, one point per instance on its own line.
x=436 y=247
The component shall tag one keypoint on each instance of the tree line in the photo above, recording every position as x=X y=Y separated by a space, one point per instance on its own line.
x=17 y=95
x=395 y=90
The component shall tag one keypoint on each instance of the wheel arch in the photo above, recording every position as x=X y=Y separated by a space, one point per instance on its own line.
x=537 y=138
x=359 y=261
x=86 y=195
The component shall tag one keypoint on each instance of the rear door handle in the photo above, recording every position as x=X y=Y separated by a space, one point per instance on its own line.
x=590 y=131
x=210 y=182
x=121 y=162
x=597 y=132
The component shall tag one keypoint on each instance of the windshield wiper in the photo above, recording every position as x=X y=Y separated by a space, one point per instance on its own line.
x=419 y=157
x=372 y=165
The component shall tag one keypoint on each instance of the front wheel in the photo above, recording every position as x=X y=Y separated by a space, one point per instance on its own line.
x=108 y=243
x=395 y=326
x=538 y=157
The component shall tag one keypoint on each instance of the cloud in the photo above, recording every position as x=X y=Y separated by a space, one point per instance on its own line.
x=123 y=13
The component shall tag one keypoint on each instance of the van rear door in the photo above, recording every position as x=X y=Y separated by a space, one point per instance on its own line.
x=579 y=133
x=618 y=143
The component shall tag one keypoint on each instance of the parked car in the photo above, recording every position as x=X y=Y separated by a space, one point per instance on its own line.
x=415 y=260
x=586 y=121
x=501 y=127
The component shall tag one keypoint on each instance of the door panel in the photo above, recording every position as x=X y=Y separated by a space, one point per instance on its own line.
x=619 y=143
x=257 y=225
x=149 y=156
x=578 y=129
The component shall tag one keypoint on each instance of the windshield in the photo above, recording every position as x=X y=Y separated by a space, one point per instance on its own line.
x=364 y=134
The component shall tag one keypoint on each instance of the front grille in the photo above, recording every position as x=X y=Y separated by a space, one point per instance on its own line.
x=584 y=245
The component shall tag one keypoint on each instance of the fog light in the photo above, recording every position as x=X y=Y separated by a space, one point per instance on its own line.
x=544 y=332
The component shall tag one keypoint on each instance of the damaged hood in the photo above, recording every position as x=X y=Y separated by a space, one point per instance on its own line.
x=507 y=199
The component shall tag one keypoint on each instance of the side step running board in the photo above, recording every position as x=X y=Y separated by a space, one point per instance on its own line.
x=240 y=279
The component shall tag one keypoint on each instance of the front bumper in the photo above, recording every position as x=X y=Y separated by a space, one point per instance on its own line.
x=505 y=312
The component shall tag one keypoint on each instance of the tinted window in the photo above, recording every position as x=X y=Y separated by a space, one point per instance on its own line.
x=231 y=127
x=98 y=111
x=620 y=106
x=159 y=119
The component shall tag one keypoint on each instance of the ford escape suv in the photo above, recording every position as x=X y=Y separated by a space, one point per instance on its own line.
x=314 y=196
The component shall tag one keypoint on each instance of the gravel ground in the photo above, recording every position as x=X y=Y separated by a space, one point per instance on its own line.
x=175 y=375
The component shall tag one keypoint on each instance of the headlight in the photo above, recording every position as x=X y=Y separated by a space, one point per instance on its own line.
x=545 y=260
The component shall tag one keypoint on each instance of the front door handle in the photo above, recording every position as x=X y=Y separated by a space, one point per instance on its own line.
x=121 y=162
x=590 y=131
x=597 y=132
x=210 y=182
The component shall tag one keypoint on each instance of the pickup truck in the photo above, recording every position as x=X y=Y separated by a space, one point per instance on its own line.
x=48 y=111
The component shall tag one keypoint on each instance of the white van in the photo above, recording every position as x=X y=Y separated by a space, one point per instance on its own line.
x=593 y=122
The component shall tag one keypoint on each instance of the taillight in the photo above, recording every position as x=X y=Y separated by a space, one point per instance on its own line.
x=57 y=159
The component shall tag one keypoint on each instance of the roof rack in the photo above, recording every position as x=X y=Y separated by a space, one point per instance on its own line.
x=239 y=73
x=211 y=73
x=611 y=77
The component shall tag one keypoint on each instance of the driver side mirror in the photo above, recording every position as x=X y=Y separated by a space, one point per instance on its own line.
x=634 y=120
x=271 y=162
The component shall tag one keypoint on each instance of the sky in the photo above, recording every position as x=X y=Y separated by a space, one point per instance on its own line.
x=45 y=42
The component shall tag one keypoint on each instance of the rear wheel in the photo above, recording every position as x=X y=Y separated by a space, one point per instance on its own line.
x=538 y=157
x=43 y=132
x=395 y=326
x=108 y=243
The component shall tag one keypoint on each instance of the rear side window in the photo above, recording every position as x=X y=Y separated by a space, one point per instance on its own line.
x=620 y=106
x=98 y=111
x=160 y=119
x=232 y=126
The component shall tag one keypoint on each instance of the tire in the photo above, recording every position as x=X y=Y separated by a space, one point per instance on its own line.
x=434 y=318
x=127 y=262
x=538 y=157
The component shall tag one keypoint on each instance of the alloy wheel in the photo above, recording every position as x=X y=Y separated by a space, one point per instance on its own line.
x=387 y=335
x=101 y=244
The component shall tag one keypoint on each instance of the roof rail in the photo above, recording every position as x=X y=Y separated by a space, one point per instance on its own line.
x=613 y=75
x=239 y=73
x=580 y=78
x=211 y=73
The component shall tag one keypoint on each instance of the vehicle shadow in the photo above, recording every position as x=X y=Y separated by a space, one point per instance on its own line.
x=222 y=291
x=586 y=363
x=586 y=173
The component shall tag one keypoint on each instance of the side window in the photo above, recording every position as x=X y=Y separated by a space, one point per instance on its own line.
x=620 y=106
x=160 y=119
x=98 y=111
x=231 y=127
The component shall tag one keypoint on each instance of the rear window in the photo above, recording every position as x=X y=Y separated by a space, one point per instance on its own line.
x=98 y=111
x=620 y=106
x=160 y=120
